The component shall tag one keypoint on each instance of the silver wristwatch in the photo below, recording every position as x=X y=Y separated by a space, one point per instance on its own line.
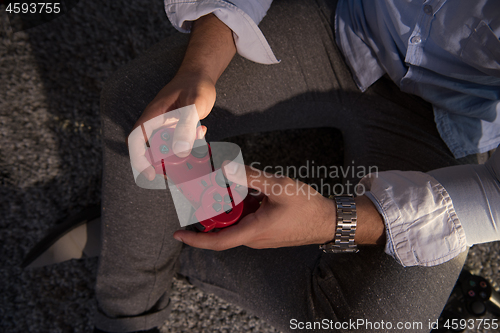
x=343 y=242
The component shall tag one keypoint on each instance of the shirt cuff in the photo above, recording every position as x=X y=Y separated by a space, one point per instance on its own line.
x=421 y=225
x=249 y=40
x=475 y=191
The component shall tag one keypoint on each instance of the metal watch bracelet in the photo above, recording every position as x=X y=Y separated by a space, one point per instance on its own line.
x=343 y=242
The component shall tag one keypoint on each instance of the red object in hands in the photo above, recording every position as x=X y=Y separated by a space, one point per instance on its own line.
x=212 y=196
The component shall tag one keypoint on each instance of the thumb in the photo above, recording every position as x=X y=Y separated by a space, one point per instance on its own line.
x=185 y=130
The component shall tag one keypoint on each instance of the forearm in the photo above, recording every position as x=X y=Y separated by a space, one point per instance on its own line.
x=210 y=49
x=241 y=16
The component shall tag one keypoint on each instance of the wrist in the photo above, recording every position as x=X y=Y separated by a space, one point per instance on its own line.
x=191 y=77
x=370 y=227
x=196 y=71
x=345 y=226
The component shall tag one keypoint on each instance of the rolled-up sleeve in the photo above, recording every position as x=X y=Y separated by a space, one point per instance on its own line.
x=431 y=218
x=241 y=16
x=421 y=225
x=475 y=191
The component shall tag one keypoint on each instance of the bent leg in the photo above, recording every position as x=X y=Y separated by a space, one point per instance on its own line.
x=138 y=256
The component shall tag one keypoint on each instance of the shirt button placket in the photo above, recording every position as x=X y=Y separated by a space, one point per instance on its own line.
x=415 y=40
x=428 y=9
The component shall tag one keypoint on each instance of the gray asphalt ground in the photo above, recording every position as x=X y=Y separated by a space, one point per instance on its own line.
x=50 y=164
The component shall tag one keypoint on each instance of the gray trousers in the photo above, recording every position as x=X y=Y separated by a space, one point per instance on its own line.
x=310 y=88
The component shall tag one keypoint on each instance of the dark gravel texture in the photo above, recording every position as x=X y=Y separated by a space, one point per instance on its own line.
x=50 y=164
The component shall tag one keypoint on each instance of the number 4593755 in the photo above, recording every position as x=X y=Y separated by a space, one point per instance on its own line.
x=40 y=7
x=479 y=323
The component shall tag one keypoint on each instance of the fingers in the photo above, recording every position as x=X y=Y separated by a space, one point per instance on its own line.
x=185 y=118
x=141 y=134
x=209 y=241
x=234 y=236
x=201 y=131
x=185 y=130
x=186 y=122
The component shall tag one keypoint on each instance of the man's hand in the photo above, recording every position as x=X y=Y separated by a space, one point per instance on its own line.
x=185 y=89
x=210 y=49
x=291 y=214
